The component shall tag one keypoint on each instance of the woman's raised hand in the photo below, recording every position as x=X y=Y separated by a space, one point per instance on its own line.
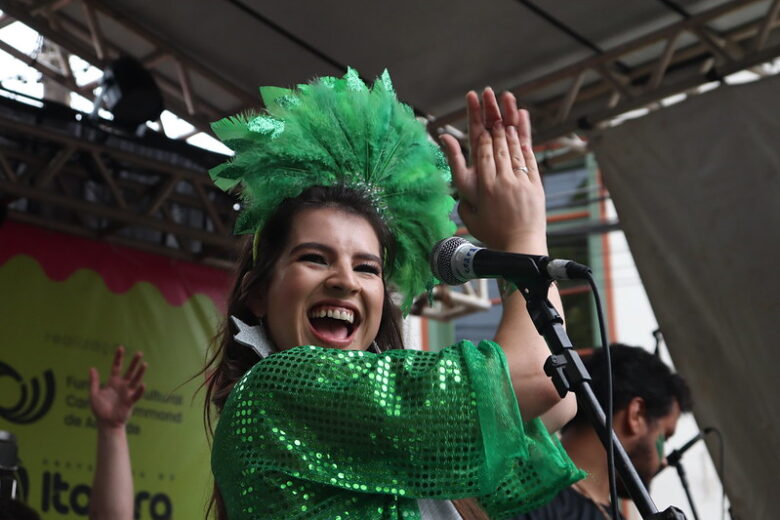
x=501 y=193
x=113 y=402
x=502 y=204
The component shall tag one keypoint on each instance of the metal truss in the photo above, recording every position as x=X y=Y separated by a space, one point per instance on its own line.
x=79 y=178
x=581 y=96
x=597 y=89
x=87 y=41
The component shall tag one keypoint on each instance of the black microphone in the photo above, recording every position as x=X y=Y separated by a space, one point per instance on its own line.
x=674 y=457
x=455 y=261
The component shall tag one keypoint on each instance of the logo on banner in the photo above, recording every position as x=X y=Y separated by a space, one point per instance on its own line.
x=35 y=396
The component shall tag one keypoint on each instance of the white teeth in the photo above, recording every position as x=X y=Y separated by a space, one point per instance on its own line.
x=338 y=314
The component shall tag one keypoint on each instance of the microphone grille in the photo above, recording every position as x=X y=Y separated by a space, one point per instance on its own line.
x=441 y=260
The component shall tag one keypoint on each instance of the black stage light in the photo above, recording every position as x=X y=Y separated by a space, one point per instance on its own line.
x=129 y=93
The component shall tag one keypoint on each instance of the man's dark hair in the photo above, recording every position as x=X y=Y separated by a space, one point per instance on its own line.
x=635 y=373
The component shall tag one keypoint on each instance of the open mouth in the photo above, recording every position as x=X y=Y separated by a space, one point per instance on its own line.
x=333 y=324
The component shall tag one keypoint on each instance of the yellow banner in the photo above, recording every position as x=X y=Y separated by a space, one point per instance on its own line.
x=53 y=331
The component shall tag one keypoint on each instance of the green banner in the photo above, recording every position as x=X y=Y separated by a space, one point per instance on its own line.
x=56 y=324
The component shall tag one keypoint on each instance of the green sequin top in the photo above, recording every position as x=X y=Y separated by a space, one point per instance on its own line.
x=323 y=433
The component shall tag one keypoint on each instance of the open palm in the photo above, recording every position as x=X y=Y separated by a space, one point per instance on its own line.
x=500 y=189
x=113 y=402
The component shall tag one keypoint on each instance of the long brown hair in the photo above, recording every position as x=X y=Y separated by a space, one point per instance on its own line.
x=229 y=361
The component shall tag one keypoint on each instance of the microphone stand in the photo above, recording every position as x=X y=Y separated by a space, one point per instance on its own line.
x=684 y=481
x=675 y=459
x=569 y=374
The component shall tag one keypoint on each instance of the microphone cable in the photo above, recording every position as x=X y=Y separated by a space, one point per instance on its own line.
x=613 y=498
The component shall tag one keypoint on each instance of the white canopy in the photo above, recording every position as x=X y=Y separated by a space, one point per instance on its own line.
x=697 y=187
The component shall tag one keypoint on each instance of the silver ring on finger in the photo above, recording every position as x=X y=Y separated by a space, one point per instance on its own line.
x=523 y=169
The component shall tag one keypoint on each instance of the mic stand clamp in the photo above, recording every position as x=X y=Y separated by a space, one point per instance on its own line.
x=569 y=374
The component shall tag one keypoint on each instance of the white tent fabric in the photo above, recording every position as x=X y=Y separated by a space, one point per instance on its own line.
x=697 y=190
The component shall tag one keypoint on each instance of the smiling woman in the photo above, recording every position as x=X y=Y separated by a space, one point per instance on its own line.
x=320 y=252
x=344 y=196
x=327 y=285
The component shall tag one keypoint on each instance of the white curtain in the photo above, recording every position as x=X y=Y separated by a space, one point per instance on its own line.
x=697 y=189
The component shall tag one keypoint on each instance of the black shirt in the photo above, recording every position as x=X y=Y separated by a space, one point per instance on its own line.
x=567 y=505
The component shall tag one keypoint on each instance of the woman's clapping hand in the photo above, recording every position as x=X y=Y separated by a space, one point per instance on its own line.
x=501 y=194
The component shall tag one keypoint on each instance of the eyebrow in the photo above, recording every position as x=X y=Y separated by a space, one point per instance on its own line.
x=329 y=250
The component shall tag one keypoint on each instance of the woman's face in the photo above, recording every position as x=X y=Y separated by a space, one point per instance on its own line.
x=326 y=288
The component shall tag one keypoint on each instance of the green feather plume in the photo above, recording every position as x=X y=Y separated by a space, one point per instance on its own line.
x=340 y=131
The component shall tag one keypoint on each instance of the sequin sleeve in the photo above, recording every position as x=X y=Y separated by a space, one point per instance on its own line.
x=403 y=424
x=535 y=480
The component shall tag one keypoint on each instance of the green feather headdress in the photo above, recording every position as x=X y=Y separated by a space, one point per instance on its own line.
x=339 y=131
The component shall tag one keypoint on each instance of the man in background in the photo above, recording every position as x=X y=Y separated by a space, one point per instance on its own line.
x=648 y=400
